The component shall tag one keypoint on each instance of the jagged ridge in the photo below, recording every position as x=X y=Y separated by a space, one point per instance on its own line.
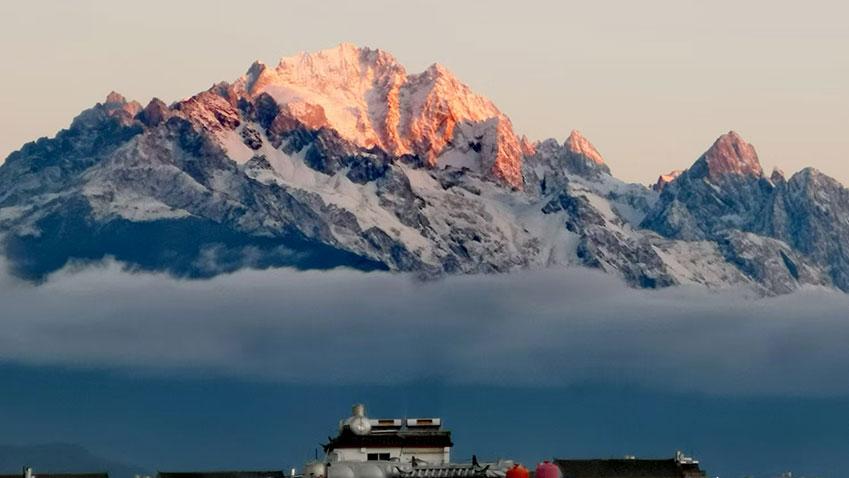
x=341 y=158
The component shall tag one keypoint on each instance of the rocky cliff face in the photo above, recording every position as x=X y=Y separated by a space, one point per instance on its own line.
x=809 y=212
x=341 y=158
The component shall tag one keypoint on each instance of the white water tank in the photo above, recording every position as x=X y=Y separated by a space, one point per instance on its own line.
x=369 y=470
x=315 y=469
x=338 y=470
x=358 y=422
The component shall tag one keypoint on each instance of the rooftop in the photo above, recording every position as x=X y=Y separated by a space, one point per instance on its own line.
x=629 y=468
x=221 y=474
x=36 y=474
x=400 y=438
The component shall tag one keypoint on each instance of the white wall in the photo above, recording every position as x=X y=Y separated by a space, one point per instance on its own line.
x=404 y=455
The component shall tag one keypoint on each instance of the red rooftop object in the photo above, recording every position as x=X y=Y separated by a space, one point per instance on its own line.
x=547 y=469
x=518 y=471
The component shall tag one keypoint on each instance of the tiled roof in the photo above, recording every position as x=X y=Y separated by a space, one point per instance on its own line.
x=628 y=468
x=222 y=474
x=36 y=474
x=396 y=439
x=445 y=471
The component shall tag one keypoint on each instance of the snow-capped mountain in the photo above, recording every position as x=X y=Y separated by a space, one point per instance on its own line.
x=342 y=158
x=368 y=98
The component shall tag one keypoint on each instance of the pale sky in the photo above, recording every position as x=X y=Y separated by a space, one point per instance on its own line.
x=650 y=83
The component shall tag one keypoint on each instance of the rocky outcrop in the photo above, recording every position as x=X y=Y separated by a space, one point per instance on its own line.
x=723 y=189
x=665 y=179
x=582 y=157
x=730 y=155
x=551 y=162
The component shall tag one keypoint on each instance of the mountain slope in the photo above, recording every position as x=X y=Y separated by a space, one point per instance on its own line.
x=341 y=158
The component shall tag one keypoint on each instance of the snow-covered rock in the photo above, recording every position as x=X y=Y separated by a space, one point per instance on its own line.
x=368 y=98
x=342 y=158
x=793 y=231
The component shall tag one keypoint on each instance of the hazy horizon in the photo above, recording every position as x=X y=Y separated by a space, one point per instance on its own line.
x=651 y=85
x=165 y=373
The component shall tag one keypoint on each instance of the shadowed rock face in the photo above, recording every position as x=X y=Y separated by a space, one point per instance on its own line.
x=191 y=247
x=809 y=212
x=396 y=172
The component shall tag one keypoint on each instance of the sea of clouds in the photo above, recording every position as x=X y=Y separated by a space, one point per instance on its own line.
x=547 y=328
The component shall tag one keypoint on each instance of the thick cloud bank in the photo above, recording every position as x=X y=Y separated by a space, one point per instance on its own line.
x=552 y=327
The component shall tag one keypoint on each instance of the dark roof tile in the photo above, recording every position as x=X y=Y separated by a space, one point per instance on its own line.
x=628 y=468
x=37 y=474
x=221 y=474
x=409 y=439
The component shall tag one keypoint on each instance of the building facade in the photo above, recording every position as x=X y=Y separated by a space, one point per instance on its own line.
x=410 y=440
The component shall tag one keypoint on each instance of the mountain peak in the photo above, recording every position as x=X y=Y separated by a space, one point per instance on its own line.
x=115 y=98
x=369 y=99
x=344 y=57
x=347 y=49
x=664 y=179
x=439 y=70
x=116 y=104
x=154 y=113
x=346 y=45
x=731 y=154
x=777 y=175
x=578 y=144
